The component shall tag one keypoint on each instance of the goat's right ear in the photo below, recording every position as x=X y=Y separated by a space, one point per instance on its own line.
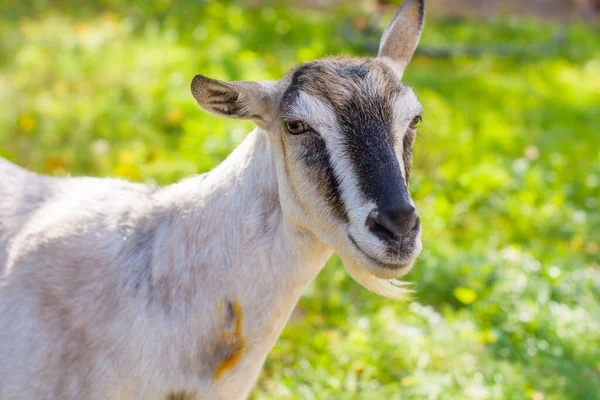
x=239 y=99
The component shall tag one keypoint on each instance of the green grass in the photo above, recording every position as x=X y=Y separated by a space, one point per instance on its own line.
x=507 y=179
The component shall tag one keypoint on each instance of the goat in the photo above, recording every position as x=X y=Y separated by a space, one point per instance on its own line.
x=117 y=290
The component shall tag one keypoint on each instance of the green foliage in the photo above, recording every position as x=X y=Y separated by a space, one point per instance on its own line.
x=507 y=179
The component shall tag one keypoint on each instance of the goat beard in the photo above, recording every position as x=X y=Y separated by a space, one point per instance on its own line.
x=392 y=288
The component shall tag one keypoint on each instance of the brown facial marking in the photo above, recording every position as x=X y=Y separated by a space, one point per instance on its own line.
x=337 y=80
x=409 y=140
x=230 y=343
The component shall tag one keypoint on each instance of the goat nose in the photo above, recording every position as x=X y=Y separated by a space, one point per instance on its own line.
x=389 y=224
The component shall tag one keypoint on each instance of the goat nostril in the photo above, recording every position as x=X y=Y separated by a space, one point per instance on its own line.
x=393 y=224
x=409 y=220
x=377 y=226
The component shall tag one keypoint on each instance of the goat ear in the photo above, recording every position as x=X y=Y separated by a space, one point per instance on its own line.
x=239 y=99
x=401 y=36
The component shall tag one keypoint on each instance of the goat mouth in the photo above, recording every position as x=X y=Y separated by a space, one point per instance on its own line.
x=383 y=264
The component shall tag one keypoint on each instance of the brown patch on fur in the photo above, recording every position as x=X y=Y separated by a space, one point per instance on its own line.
x=181 y=395
x=231 y=344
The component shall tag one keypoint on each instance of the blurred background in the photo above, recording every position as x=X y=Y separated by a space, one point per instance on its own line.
x=506 y=177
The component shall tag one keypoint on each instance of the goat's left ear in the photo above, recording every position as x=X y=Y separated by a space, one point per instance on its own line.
x=401 y=36
x=239 y=99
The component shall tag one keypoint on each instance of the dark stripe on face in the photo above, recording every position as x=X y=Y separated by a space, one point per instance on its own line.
x=316 y=158
x=292 y=92
x=314 y=154
x=407 y=146
x=364 y=113
x=365 y=120
x=366 y=124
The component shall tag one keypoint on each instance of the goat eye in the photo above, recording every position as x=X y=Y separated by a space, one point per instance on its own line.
x=296 y=127
x=415 y=121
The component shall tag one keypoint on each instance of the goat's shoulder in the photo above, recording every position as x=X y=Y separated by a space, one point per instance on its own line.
x=67 y=218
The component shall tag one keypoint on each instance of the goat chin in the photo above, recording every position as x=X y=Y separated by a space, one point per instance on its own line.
x=387 y=287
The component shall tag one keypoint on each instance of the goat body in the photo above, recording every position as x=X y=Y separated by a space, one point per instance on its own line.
x=116 y=290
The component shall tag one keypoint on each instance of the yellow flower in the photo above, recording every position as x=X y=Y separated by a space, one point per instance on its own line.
x=26 y=123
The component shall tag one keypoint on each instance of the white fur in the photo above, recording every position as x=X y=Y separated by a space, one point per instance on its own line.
x=226 y=228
